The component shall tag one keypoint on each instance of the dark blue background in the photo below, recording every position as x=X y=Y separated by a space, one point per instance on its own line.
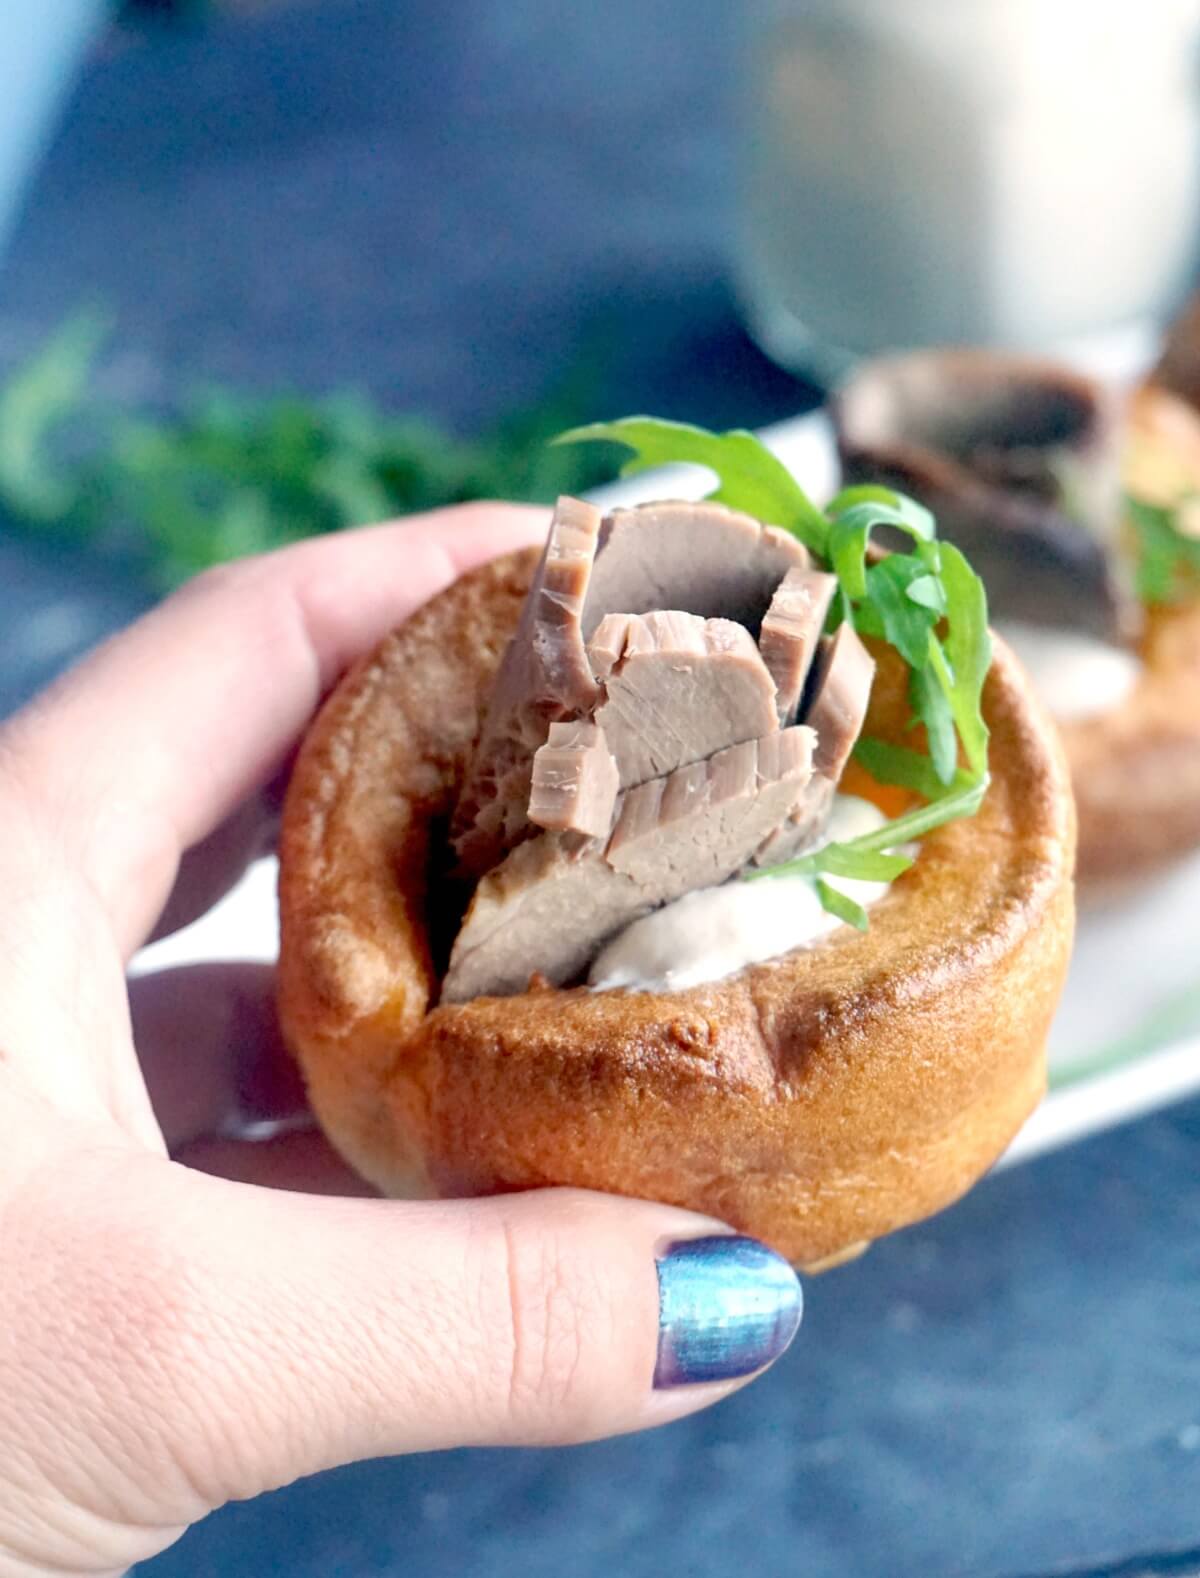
x=457 y=206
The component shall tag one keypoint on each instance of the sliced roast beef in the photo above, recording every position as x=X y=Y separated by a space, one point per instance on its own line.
x=841 y=689
x=543 y=678
x=835 y=709
x=701 y=558
x=677 y=688
x=545 y=909
x=575 y=781
x=554 y=901
x=703 y=822
x=790 y=633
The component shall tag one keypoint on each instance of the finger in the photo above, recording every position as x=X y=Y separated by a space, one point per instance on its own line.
x=141 y=751
x=212 y=1056
x=277 y=1334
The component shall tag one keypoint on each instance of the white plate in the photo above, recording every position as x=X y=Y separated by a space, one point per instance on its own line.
x=1127 y=1036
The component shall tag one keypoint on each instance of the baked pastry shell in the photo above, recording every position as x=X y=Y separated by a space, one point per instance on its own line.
x=1135 y=768
x=816 y=1101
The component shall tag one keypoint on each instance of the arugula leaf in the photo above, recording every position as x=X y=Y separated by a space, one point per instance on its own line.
x=851 y=532
x=749 y=476
x=932 y=706
x=903 y=622
x=1167 y=560
x=865 y=865
x=962 y=801
x=861 y=857
x=969 y=650
x=906 y=769
x=842 y=905
x=903 y=599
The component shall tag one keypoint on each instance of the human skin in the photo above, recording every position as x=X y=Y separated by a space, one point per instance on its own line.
x=187 y=1318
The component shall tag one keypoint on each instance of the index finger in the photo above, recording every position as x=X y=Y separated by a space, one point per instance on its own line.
x=141 y=751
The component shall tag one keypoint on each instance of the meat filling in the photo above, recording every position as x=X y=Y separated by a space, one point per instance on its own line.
x=552 y=904
x=676 y=689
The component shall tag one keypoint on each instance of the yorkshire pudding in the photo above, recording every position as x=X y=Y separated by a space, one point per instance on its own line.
x=998 y=446
x=1135 y=769
x=817 y=1101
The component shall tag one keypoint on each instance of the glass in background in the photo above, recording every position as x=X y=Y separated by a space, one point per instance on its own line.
x=1021 y=173
x=41 y=43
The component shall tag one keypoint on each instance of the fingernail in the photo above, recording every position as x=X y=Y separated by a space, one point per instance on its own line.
x=727 y=1306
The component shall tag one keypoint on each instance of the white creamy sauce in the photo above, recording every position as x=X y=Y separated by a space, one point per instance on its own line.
x=1077 y=676
x=714 y=932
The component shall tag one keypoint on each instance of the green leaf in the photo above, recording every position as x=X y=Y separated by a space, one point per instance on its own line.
x=40 y=395
x=934 y=708
x=928 y=592
x=905 y=624
x=749 y=476
x=959 y=802
x=969 y=650
x=864 y=865
x=906 y=769
x=920 y=520
x=841 y=905
x=1167 y=560
x=850 y=532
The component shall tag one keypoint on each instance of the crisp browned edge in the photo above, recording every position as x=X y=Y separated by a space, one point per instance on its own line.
x=818 y=1101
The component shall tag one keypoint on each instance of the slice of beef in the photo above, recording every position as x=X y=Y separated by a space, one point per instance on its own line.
x=575 y=781
x=677 y=688
x=553 y=903
x=790 y=633
x=701 y=558
x=1018 y=459
x=543 y=678
x=703 y=822
x=546 y=908
x=835 y=709
x=841 y=689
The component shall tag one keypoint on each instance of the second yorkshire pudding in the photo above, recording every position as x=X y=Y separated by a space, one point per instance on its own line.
x=1135 y=769
x=816 y=1101
x=997 y=445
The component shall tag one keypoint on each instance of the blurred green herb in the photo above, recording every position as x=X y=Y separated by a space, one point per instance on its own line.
x=228 y=474
x=1167 y=559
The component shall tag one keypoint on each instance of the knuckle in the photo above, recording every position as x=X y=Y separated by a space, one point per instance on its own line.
x=562 y=1328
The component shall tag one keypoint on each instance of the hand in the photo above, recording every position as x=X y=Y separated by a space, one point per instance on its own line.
x=171 y=1339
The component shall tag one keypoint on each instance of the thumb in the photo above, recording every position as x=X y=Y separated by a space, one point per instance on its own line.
x=264 y=1335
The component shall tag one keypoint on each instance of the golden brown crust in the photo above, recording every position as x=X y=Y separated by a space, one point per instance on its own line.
x=1135 y=769
x=817 y=1101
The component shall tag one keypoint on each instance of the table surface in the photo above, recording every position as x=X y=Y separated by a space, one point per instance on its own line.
x=455 y=206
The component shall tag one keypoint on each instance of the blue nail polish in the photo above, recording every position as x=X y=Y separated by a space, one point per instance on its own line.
x=726 y=1307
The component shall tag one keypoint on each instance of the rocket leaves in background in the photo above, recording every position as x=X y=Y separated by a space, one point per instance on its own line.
x=227 y=475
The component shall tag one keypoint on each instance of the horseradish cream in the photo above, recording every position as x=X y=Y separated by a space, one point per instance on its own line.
x=714 y=932
x=1077 y=676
